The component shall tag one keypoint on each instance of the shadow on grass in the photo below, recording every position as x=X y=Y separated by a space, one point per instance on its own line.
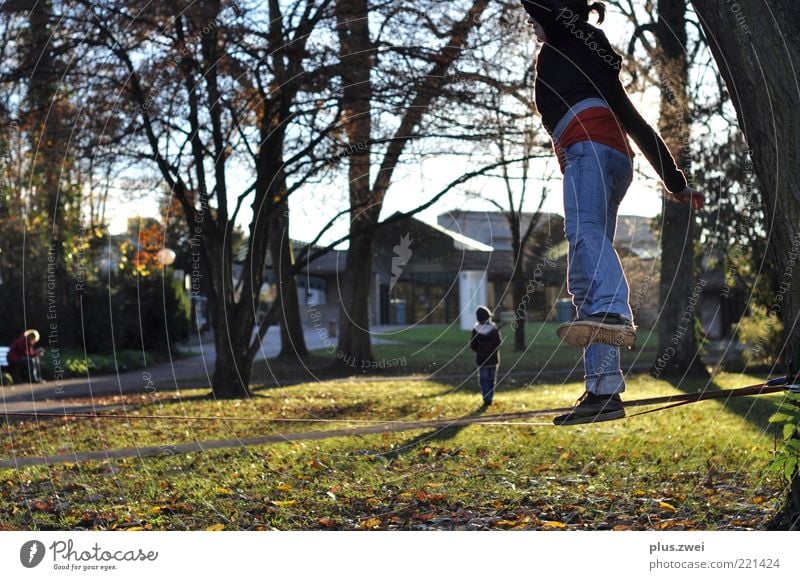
x=435 y=435
x=756 y=410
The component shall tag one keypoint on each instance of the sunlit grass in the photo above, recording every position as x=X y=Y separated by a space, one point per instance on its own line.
x=701 y=466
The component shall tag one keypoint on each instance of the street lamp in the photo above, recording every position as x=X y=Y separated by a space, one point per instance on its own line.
x=166 y=257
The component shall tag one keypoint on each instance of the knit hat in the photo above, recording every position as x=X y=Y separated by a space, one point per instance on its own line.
x=483 y=314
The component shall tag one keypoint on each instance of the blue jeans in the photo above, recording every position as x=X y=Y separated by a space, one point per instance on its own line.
x=29 y=369
x=486 y=376
x=596 y=178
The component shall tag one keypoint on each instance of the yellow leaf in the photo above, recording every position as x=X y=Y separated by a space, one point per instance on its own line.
x=224 y=491
x=284 y=487
x=553 y=525
x=639 y=493
x=436 y=485
x=135 y=529
x=370 y=524
x=284 y=503
x=506 y=524
x=215 y=528
x=667 y=506
x=758 y=500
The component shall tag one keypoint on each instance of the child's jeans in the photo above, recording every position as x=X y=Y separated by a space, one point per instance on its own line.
x=596 y=178
x=486 y=376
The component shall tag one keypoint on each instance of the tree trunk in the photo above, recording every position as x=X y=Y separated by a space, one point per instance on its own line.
x=356 y=54
x=231 y=378
x=757 y=49
x=233 y=363
x=679 y=294
x=50 y=137
x=293 y=342
x=517 y=283
x=355 y=348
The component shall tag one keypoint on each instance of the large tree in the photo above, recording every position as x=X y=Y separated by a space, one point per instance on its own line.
x=677 y=343
x=757 y=48
x=212 y=91
x=370 y=172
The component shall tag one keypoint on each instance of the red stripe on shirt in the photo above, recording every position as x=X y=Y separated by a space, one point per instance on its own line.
x=597 y=124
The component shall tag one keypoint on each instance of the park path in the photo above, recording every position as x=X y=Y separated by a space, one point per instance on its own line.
x=192 y=372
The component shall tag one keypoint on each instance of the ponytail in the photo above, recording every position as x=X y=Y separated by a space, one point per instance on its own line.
x=582 y=9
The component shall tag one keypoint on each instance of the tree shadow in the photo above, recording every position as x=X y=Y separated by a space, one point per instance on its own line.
x=754 y=409
x=436 y=435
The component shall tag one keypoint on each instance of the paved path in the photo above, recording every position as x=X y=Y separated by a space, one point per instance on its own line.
x=194 y=372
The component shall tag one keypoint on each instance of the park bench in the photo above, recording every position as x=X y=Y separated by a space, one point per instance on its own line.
x=4 y=368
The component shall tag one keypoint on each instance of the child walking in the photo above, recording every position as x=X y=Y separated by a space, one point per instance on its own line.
x=589 y=116
x=485 y=341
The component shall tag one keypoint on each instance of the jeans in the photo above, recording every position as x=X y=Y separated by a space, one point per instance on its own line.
x=486 y=376
x=30 y=369
x=596 y=178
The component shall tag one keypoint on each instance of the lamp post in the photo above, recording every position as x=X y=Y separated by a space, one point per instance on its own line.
x=166 y=257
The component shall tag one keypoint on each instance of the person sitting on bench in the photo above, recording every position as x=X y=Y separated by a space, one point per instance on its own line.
x=23 y=358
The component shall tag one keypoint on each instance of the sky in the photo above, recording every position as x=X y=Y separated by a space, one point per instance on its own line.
x=416 y=182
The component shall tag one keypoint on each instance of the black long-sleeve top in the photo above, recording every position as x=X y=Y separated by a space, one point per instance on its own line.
x=577 y=63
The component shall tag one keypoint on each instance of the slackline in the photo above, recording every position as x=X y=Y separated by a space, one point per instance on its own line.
x=376 y=426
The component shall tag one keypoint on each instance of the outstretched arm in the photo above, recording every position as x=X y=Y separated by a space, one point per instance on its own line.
x=653 y=147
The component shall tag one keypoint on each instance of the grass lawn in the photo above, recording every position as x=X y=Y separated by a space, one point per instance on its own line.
x=700 y=466
x=444 y=350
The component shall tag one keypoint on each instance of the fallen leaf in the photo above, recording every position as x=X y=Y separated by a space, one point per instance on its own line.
x=215 y=528
x=758 y=500
x=667 y=506
x=284 y=487
x=507 y=524
x=370 y=524
x=284 y=503
x=553 y=525
x=327 y=522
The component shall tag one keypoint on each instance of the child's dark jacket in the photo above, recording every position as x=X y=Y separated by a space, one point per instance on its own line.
x=485 y=341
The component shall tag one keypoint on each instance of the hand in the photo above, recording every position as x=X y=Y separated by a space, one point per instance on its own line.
x=690 y=196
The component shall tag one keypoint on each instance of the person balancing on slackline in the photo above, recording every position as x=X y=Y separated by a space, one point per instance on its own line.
x=589 y=116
